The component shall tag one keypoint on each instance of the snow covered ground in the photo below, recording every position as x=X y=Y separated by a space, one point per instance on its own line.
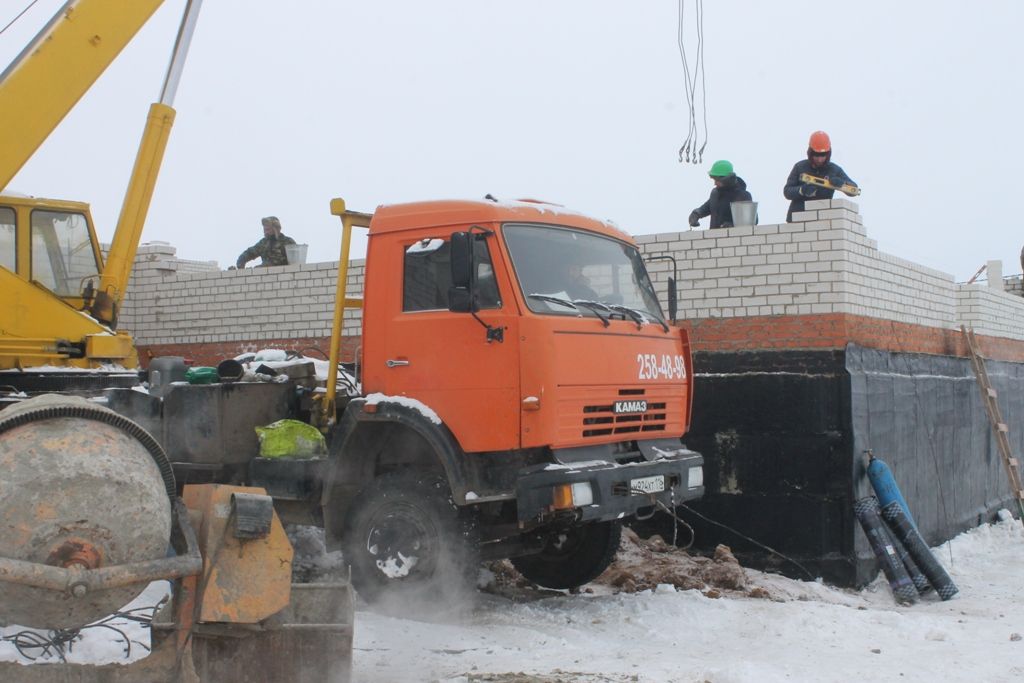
x=804 y=632
x=791 y=631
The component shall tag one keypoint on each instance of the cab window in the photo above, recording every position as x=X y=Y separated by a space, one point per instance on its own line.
x=427 y=276
x=8 y=239
x=62 y=253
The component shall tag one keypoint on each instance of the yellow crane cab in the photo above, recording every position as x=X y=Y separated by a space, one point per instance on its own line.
x=51 y=244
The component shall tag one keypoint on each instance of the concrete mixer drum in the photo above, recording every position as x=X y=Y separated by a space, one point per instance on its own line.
x=81 y=487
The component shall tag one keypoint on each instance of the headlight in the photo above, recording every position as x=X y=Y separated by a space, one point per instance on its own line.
x=565 y=496
x=695 y=478
x=582 y=494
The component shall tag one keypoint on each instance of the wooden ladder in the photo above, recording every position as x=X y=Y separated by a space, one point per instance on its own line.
x=995 y=418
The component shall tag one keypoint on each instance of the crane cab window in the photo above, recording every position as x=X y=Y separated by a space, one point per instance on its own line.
x=62 y=253
x=8 y=240
x=427 y=276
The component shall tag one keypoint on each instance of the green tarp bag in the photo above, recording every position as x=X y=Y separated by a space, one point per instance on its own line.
x=291 y=439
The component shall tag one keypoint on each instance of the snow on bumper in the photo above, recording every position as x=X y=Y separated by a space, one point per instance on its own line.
x=615 y=490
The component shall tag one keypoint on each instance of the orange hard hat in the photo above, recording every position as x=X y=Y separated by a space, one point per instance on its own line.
x=820 y=142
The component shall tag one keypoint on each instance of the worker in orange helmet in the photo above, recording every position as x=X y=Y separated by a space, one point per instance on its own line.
x=818 y=163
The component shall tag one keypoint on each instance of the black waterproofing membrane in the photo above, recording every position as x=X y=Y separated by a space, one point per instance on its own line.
x=783 y=435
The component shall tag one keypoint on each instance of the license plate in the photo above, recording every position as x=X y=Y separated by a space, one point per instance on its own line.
x=654 y=484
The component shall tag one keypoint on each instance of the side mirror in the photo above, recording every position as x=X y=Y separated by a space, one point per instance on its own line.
x=673 y=300
x=461 y=251
x=459 y=300
x=673 y=297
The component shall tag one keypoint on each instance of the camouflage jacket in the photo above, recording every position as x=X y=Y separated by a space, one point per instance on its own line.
x=270 y=249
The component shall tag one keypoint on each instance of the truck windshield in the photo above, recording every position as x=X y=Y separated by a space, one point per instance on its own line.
x=62 y=255
x=563 y=271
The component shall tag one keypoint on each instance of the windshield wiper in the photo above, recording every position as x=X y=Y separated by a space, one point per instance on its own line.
x=555 y=300
x=661 y=321
x=638 y=317
x=594 y=306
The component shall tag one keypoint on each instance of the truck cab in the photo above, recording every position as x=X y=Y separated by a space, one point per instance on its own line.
x=515 y=355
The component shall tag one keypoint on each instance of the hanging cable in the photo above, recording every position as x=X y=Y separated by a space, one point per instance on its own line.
x=692 y=150
x=11 y=22
x=703 y=82
x=685 y=149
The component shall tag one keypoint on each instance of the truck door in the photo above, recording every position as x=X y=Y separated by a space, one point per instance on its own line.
x=444 y=359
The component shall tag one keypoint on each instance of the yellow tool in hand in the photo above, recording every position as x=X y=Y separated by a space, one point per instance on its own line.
x=846 y=188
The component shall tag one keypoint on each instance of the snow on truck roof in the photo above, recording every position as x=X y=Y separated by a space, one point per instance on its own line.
x=416 y=215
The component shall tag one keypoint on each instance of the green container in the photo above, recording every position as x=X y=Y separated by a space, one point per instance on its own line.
x=202 y=375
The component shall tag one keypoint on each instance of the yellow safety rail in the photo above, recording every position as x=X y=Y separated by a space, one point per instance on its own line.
x=349 y=220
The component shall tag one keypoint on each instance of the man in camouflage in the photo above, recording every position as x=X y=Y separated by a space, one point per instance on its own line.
x=271 y=248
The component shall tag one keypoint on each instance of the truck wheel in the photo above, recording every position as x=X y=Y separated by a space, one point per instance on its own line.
x=405 y=535
x=572 y=557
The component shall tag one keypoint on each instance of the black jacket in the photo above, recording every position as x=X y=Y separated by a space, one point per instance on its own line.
x=836 y=176
x=717 y=205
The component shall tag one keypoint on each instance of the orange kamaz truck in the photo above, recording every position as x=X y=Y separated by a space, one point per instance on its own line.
x=522 y=394
x=518 y=393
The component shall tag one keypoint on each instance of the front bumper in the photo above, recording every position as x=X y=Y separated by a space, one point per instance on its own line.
x=610 y=487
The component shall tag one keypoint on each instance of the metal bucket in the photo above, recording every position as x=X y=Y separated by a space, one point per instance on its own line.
x=744 y=213
x=296 y=253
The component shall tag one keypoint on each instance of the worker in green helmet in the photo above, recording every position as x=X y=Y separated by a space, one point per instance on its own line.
x=728 y=188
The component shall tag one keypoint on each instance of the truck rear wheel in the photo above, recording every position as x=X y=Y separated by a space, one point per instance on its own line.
x=405 y=535
x=572 y=557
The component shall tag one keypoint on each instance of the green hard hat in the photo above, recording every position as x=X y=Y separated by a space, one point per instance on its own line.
x=721 y=169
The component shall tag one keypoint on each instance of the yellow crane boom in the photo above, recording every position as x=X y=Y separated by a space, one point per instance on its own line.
x=57 y=67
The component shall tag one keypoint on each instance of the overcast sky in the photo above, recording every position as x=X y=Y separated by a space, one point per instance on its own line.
x=580 y=102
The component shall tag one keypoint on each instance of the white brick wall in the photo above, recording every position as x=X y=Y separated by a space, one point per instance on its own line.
x=824 y=263
x=821 y=263
x=169 y=303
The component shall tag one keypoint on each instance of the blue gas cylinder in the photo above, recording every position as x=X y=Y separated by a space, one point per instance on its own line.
x=885 y=486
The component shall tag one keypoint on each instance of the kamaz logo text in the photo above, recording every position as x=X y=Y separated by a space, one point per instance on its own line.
x=630 y=407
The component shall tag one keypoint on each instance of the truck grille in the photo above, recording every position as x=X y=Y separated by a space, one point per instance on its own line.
x=590 y=413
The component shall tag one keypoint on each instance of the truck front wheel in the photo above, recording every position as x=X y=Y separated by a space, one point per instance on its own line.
x=572 y=557
x=405 y=535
